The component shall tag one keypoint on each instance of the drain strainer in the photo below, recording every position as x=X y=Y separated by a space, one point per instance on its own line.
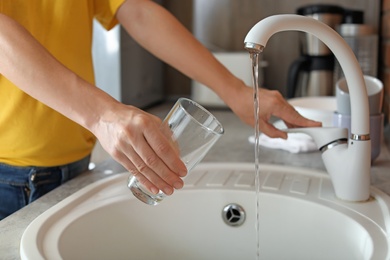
x=233 y=215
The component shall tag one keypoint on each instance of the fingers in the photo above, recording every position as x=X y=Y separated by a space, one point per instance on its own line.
x=271 y=131
x=134 y=139
x=156 y=163
x=166 y=150
x=160 y=163
x=305 y=123
x=272 y=103
x=150 y=171
x=129 y=165
x=293 y=119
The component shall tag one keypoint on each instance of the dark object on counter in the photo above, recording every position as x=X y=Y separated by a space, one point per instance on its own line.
x=353 y=16
x=312 y=73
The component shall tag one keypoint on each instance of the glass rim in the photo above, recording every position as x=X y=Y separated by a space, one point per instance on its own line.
x=222 y=130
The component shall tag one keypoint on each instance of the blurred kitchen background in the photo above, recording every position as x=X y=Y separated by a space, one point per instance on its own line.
x=135 y=77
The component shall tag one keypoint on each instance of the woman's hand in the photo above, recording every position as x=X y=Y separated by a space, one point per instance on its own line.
x=134 y=139
x=271 y=103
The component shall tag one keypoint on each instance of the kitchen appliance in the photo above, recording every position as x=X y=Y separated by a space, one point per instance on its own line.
x=363 y=40
x=312 y=73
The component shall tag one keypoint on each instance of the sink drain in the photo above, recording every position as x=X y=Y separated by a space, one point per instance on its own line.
x=233 y=215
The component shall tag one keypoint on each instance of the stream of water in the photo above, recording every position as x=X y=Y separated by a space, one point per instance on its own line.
x=255 y=71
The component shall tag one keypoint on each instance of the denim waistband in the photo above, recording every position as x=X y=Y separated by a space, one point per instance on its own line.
x=19 y=175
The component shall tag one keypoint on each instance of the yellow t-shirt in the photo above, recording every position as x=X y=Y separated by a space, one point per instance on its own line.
x=30 y=132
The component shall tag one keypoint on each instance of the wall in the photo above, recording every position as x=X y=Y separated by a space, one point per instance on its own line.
x=385 y=57
x=176 y=84
x=224 y=23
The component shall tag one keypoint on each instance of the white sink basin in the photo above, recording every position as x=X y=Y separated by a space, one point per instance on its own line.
x=300 y=218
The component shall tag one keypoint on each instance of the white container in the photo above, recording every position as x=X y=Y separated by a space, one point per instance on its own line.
x=319 y=108
x=374 y=91
x=239 y=63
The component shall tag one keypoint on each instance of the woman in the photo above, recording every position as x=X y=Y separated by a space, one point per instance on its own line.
x=51 y=112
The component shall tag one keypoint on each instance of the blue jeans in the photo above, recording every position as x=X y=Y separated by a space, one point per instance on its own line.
x=20 y=186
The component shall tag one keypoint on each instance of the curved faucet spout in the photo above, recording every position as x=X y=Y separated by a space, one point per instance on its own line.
x=348 y=164
x=263 y=30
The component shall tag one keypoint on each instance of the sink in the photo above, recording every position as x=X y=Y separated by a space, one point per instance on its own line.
x=300 y=218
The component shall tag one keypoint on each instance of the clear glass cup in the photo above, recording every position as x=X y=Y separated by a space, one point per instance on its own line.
x=194 y=130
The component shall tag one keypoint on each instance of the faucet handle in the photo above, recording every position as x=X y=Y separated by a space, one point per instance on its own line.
x=323 y=136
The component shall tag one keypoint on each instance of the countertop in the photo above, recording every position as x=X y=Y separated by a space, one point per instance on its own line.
x=232 y=147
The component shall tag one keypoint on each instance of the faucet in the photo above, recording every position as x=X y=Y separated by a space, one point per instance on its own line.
x=346 y=159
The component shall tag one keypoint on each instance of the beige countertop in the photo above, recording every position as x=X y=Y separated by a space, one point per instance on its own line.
x=232 y=147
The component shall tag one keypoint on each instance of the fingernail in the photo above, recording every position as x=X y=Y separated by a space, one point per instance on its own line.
x=167 y=191
x=154 y=190
x=183 y=173
x=178 y=185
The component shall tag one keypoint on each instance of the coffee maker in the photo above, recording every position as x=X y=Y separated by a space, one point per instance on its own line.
x=312 y=73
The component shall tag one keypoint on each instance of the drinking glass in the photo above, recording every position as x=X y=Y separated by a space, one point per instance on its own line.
x=193 y=130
